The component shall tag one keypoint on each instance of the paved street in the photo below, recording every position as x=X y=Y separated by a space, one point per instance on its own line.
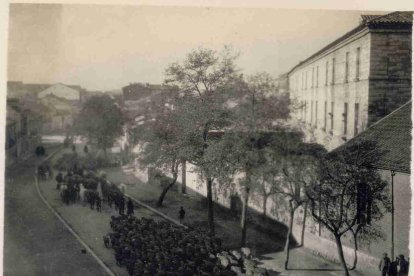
x=36 y=242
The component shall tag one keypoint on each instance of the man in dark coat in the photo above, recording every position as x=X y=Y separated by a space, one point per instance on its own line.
x=98 y=203
x=384 y=265
x=181 y=214
x=121 y=205
x=130 y=207
x=59 y=179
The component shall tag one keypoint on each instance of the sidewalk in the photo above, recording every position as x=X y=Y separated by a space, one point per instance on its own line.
x=269 y=249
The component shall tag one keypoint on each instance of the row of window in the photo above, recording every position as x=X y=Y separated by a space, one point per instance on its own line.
x=315 y=71
x=331 y=114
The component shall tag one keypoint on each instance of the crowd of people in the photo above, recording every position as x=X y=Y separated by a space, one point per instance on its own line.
x=88 y=187
x=398 y=267
x=147 y=247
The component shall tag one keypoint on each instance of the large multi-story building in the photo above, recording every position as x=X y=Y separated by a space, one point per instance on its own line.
x=355 y=80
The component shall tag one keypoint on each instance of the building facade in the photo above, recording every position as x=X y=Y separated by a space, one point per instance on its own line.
x=352 y=82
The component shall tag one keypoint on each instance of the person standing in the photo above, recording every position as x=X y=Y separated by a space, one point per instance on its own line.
x=384 y=264
x=181 y=214
x=393 y=269
x=121 y=205
x=98 y=204
x=403 y=266
x=130 y=207
x=59 y=179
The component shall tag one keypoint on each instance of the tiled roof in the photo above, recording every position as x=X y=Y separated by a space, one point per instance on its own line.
x=404 y=19
x=393 y=135
x=393 y=18
x=368 y=17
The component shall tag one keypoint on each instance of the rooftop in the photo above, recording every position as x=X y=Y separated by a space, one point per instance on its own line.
x=393 y=19
x=393 y=135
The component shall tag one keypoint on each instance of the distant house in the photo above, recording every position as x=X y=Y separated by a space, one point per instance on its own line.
x=60 y=113
x=18 y=89
x=62 y=91
x=22 y=123
x=136 y=96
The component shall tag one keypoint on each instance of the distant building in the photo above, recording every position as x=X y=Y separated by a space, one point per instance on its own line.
x=283 y=83
x=22 y=125
x=136 y=96
x=18 y=89
x=59 y=113
x=72 y=93
x=355 y=80
x=85 y=95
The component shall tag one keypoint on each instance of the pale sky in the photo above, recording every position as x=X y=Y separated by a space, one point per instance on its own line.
x=107 y=47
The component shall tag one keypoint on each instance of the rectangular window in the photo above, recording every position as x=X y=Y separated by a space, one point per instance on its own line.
x=313 y=76
x=326 y=73
x=311 y=112
x=306 y=80
x=346 y=67
x=316 y=113
x=345 y=114
x=333 y=71
x=332 y=116
x=325 y=115
x=317 y=76
x=358 y=63
x=356 y=119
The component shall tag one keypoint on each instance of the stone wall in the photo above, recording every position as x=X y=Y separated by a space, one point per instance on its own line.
x=390 y=71
x=318 y=239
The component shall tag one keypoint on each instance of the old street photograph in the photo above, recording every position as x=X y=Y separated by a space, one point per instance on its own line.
x=183 y=141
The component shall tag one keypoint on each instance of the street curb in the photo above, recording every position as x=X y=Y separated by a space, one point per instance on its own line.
x=161 y=214
x=67 y=225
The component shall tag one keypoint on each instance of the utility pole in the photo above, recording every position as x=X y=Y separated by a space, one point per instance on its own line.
x=392 y=215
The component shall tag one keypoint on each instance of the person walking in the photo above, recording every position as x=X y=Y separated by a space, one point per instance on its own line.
x=130 y=207
x=181 y=214
x=384 y=265
x=98 y=204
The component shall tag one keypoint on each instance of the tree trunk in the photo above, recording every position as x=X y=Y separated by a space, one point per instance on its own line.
x=244 y=218
x=166 y=189
x=305 y=212
x=210 y=205
x=354 y=265
x=183 y=177
x=341 y=254
x=174 y=170
x=287 y=243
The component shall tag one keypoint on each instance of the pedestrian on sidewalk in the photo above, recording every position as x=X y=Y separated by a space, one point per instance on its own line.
x=384 y=264
x=121 y=205
x=181 y=214
x=59 y=179
x=130 y=207
x=98 y=204
x=403 y=266
x=393 y=270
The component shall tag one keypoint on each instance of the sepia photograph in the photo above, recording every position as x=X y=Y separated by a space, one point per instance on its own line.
x=195 y=141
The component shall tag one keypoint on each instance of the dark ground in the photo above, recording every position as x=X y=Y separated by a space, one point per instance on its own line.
x=35 y=241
